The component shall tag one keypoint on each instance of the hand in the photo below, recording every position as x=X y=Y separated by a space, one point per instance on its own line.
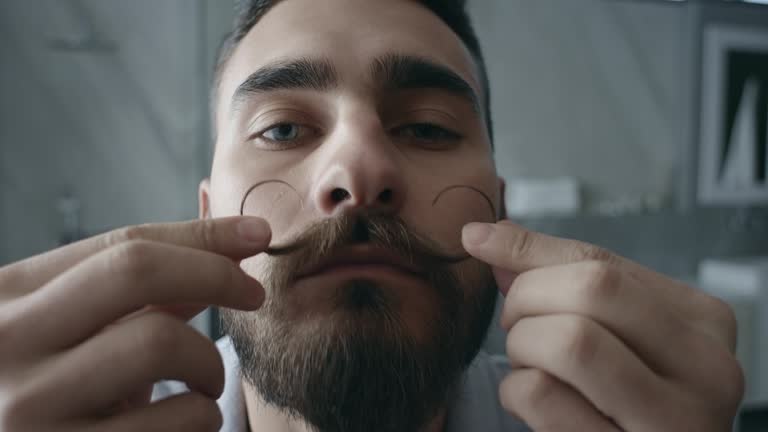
x=599 y=343
x=87 y=329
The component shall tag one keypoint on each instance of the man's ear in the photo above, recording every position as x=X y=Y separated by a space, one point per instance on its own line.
x=502 y=199
x=204 y=199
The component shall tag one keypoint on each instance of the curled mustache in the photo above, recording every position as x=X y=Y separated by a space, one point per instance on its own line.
x=324 y=237
x=389 y=231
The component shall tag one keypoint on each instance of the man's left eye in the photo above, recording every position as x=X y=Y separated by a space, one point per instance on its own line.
x=427 y=132
x=282 y=132
x=283 y=136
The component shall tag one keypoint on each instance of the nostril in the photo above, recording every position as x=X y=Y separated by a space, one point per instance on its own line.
x=385 y=197
x=338 y=195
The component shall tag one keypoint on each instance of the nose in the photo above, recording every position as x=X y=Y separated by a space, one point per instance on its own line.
x=360 y=172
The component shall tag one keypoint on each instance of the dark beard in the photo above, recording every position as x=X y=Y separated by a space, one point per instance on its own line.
x=364 y=370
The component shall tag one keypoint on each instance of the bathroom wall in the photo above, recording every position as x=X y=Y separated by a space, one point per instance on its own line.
x=106 y=102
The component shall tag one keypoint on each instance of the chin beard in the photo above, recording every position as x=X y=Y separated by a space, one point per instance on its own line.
x=360 y=367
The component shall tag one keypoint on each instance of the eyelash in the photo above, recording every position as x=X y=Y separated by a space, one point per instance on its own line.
x=445 y=137
x=282 y=145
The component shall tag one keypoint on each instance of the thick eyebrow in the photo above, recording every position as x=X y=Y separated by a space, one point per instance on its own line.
x=403 y=72
x=302 y=73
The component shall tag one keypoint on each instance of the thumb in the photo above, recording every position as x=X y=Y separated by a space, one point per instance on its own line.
x=504 y=278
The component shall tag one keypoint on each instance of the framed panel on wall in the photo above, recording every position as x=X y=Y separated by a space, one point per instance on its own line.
x=733 y=157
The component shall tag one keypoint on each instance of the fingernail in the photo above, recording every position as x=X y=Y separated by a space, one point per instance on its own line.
x=475 y=234
x=253 y=230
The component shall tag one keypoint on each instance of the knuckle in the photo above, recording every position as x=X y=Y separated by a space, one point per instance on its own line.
x=531 y=394
x=134 y=257
x=520 y=245
x=579 y=343
x=156 y=335
x=540 y=389
x=600 y=281
x=125 y=234
x=588 y=252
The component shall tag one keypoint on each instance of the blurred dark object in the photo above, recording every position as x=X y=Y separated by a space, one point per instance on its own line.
x=753 y=418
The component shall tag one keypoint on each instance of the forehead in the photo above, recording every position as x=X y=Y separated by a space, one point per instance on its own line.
x=350 y=34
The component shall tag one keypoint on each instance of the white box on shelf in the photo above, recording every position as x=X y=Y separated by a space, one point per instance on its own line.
x=747 y=275
x=527 y=196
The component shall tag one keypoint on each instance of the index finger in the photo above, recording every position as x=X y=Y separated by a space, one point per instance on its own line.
x=509 y=246
x=236 y=237
x=512 y=247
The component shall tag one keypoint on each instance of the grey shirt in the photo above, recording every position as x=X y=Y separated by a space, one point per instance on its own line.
x=476 y=407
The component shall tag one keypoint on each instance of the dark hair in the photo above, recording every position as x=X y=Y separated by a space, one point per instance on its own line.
x=452 y=12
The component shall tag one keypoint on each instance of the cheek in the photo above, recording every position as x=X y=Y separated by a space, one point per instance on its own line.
x=227 y=187
x=275 y=201
x=440 y=207
x=239 y=186
x=458 y=206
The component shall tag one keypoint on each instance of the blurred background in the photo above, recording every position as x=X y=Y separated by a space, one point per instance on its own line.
x=639 y=125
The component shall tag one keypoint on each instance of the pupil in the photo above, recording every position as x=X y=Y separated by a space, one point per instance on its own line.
x=285 y=130
x=423 y=131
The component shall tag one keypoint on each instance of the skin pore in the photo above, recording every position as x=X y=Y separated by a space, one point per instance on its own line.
x=381 y=118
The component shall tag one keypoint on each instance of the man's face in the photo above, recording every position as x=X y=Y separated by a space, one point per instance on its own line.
x=356 y=127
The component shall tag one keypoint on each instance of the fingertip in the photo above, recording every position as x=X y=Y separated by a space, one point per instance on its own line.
x=253 y=231
x=255 y=294
x=476 y=234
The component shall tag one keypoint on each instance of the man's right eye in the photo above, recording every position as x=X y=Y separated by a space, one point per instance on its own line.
x=282 y=132
x=281 y=136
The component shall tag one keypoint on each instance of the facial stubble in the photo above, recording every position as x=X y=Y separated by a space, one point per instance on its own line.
x=360 y=367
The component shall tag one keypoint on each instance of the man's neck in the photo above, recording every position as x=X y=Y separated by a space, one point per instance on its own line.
x=268 y=418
